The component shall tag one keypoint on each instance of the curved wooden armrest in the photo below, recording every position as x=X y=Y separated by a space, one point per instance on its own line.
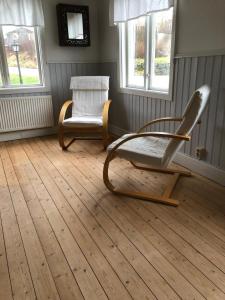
x=105 y=113
x=153 y=134
x=64 y=110
x=160 y=120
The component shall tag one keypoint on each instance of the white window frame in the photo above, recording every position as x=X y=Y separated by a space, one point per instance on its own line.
x=43 y=86
x=123 y=56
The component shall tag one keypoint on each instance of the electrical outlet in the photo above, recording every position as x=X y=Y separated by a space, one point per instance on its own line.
x=200 y=153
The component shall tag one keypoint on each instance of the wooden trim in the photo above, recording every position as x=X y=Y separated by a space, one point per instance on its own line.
x=105 y=118
x=63 y=111
x=160 y=120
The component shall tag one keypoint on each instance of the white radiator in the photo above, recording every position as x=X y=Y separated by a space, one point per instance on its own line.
x=21 y=113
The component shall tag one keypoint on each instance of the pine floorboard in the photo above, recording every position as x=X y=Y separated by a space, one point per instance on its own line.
x=63 y=235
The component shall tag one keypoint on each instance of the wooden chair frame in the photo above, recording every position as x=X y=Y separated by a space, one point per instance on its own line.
x=166 y=197
x=101 y=130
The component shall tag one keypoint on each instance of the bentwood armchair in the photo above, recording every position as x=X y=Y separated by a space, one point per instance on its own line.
x=90 y=108
x=157 y=149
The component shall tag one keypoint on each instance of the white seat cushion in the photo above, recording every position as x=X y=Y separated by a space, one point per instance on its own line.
x=146 y=150
x=83 y=121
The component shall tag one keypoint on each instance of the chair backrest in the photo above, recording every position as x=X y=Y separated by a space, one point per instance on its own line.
x=191 y=116
x=89 y=95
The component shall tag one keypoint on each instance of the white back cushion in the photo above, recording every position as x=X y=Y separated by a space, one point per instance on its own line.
x=192 y=114
x=88 y=103
x=89 y=95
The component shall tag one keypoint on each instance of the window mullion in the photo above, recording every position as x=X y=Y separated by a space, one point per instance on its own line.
x=127 y=54
x=39 y=55
x=146 y=52
x=3 y=61
x=150 y=52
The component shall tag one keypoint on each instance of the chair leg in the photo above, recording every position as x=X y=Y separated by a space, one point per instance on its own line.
x=61 y=140
x=105 y=138
x=105 y=142
x=164 y=199
x=166 y=171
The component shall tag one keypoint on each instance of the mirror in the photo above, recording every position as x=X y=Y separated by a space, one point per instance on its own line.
x=73 y=25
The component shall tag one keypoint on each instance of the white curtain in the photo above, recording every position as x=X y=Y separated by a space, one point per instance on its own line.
x=21 y=12
x=123 y=10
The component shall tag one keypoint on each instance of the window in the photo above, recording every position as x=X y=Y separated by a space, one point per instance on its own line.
x=20 y=59
x=146 y=45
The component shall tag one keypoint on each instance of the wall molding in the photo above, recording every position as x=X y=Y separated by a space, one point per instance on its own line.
x=201 y=53
x=24 y=134
x=181 y=55
x=88 y=61
x=206 y=170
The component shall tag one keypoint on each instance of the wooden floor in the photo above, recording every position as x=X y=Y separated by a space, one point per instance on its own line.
x=64 y=236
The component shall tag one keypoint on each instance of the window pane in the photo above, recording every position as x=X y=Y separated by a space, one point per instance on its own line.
x=161 y=52
x=136 y=52
x=21 y=55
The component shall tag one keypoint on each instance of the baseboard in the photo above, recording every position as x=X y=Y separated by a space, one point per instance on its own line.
x=188 y=162
x=24 y=134
x=116 y=130
x=201 y=168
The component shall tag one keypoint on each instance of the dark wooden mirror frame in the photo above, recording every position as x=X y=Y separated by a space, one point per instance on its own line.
x=64 y=40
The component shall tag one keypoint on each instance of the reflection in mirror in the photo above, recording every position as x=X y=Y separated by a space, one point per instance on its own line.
x=75 y=26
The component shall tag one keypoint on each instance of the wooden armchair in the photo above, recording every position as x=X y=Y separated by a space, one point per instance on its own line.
x=90 y=108
x=157 y=149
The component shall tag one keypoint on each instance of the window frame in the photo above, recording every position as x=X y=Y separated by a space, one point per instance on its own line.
x=44 y=85
x=123 y=56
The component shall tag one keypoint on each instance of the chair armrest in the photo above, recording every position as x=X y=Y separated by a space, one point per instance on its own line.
x=63 y=111
x=160 y=120
x=153 y=134
x=105 y=113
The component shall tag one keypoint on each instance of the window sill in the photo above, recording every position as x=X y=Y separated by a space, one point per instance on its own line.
x=152 y=94
x=24 y=90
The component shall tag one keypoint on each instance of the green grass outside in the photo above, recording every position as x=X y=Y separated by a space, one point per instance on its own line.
x=27 y=80
x=161 y=66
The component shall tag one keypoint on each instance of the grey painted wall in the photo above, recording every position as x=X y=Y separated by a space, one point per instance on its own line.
x=130 y=112
x=55 y=53
x=199 y=29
